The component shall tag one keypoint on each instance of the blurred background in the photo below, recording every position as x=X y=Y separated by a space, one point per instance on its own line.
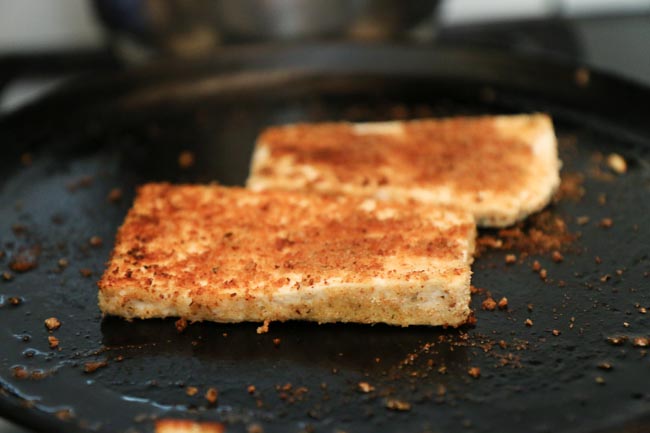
x=43 y=43
x=46 y=43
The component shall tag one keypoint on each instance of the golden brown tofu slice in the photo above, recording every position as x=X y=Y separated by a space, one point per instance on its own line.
x=499 y=168
x=233 y=255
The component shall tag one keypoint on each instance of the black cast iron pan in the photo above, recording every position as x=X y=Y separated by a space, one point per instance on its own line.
x=62 y=156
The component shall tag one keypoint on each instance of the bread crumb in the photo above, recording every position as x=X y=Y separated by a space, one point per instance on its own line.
x=115 y=195
x=487 y=241
x=191 y=391
x=211 y=395
x=85 y=272
x=536 y=266
x=510 y=259
x=503 y=303
x=95 y=241
x=276 y=342
x=556 y=332
x=475 y=372
x=542 y=233
x=617 y=163
x=617 y=340
x=582 y=220
x=606 y=223
x=91 y=367
x=365 y=387
x=63 y=263
x=181 y=324
x=52 y=323
x=398 y=405
x=605 y=366
x=7 y=276
x=543 y=273
x=264 y=328
x=185 y=159
x=640 y=342
x=600 y=380
x=528 y=322
x=557 y=257
x=19 y=372
x=251 y=389
x=489 y=304
x=25 y=259
x=53 y=341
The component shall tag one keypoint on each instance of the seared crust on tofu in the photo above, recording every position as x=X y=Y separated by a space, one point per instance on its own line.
x=500 y=168
x=233 y=255
x=187 y=426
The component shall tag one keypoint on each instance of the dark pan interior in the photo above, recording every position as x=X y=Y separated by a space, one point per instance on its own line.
x=121 y=131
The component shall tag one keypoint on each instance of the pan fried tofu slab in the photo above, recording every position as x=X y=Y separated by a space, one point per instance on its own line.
x=499 y=168
x=232 y=255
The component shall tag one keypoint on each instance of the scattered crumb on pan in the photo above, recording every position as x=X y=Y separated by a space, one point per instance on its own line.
x=616 y=163
x=114 y=195
x=365 y=387
x=211 y=395
x=52 y=323
x=93 y=366
x=397 y=405
x=542 y=233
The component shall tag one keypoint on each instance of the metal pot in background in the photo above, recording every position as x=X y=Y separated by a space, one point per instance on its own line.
x=193 y=27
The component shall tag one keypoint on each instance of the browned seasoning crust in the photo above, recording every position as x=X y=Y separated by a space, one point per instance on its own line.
x=501 y=168
x=230 y=255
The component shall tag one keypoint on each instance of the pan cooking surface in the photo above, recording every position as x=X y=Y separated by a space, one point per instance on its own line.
x=64 y=156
